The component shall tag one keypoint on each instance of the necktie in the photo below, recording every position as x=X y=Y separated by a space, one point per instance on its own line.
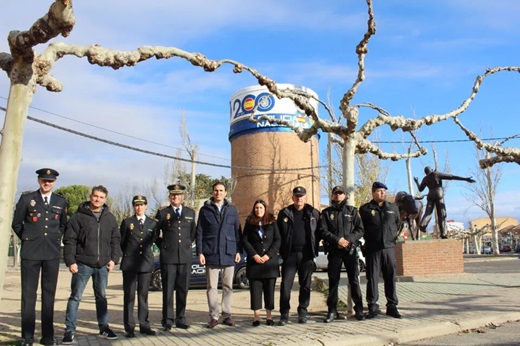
x=141 y=222
x=178 y=212
x=45 y=200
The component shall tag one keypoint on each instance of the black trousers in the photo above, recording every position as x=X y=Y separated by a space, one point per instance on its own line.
x=175 y=277
x=304 y=265
x=381 y=261
x=336 y=260
x=30 y=277
x=259 y=286
x=131 y=281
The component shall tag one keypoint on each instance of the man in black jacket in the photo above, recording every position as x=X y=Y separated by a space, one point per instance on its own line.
x=176 y=232
x=138 y=234
x=298 y=224
x=381 y=221
x=92 y=249
x=341 y=229
x=39 y=221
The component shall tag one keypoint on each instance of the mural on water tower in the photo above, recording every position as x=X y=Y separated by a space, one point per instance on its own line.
x=269 y=160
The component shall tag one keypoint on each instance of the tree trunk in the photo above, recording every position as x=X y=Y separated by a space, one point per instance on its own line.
x=349 y=151
x=20 y=97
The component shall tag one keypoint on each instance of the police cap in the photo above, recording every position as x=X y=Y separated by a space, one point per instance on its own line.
x=176 y=189
x=47 y=173
x=139 y=200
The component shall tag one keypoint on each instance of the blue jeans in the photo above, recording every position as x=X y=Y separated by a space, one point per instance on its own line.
x=77 y=286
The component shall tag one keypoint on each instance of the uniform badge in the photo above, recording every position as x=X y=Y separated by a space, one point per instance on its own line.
x=34 y=219
x=373 y=212
x=32 y=203
x=131 y=226
x=332 y=216
x=285 y=219
x=168 y=216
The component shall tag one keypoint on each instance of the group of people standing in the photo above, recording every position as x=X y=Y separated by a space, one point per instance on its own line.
x=94 y=244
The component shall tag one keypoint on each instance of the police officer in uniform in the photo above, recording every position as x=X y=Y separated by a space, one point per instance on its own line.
x=341 y=229
x=381 y=221
x=39 y=221
x=176 y=232
x=138 y=234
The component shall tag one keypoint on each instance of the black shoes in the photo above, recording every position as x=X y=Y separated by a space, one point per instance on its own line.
x=284 y=319
x=371 y=314
x=67 y=338
x=359 y=316
x=181 y=325
x=167 y=327
x=269 y=322
x=393 y=312
x=130 y=334
x=147 y=332
x=108 y=334
x=47 y=342
x=256 y=323
x=331 y=316
x=27 y=343
x=302 y=319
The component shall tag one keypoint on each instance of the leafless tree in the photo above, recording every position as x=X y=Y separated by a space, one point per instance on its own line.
x=482 y=193
x=26 y=70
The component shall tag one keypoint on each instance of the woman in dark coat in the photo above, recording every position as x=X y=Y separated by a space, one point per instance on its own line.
x=261 y=241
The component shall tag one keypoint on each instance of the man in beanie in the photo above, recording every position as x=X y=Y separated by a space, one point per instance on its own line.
x=39 y=221
x=381 y=221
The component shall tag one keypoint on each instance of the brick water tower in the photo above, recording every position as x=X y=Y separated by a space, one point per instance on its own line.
x=269 y=160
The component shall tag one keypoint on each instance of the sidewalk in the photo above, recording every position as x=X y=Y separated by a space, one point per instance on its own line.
x=431 y=306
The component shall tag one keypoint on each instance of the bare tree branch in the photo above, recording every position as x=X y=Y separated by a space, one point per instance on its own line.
x=502 y=154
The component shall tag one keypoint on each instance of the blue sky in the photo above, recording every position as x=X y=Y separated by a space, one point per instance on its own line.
x=423 y=60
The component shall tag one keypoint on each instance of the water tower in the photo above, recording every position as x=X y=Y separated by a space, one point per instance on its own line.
x=269 y=160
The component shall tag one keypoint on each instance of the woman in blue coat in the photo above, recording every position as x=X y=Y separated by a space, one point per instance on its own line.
x=261 y=241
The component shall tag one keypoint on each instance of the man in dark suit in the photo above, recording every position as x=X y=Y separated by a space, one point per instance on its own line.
x=138 y=233
x=176 y=232
x=39 y=221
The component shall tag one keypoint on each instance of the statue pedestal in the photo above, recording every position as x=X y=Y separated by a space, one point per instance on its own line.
x=429 y=257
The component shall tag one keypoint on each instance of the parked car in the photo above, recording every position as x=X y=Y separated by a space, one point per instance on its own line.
x=517 y=248
x=321 y=261
x=505 y=248
x=198 y=274
x=486 y=250
x=471 y=249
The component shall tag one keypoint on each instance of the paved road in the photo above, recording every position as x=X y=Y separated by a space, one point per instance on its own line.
x=506 y=334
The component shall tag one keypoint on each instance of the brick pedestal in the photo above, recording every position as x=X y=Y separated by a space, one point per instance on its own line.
x=429 y=257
